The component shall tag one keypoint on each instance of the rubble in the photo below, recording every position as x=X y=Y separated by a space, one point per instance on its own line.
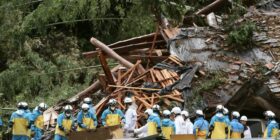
x=191 y=68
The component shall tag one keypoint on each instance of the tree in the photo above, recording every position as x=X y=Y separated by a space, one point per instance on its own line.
x=41 y=39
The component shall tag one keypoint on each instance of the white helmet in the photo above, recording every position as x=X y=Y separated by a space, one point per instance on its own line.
x=149 y=111
x=225 y=111
x=219 y=107
x=20 y=105
x=199 y=112
x=156 y=107
x=42 y=106
x=185 y=113
x=166 y=112
x=176 y=110
x=235 y=114
x=85 y=106
x=68 y=107
x=87 y=100
x=243 y=118
x=269 y=113
x=127 y=100
x=25 y=104
x=112 y=101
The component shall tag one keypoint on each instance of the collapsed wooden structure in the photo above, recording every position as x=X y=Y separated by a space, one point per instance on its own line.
x=177 y=52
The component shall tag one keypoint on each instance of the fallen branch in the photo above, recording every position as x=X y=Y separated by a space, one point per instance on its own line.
x=210 y=8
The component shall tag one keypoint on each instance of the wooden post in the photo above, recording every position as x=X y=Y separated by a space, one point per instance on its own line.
x=106 y=68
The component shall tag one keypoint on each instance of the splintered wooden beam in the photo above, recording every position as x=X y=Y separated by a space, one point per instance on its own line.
x=106 y=68
x=131 y=69
x=127 y=48
x=111 y=53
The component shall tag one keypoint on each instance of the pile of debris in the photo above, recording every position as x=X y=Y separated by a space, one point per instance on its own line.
x=191 y=68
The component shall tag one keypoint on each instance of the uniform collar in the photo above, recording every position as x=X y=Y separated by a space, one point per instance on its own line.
x=234 y=120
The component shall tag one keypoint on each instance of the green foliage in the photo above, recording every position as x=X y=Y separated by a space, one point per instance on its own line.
x=40 y=38
x=241 y=36
x=210 y=82
x=174 y=9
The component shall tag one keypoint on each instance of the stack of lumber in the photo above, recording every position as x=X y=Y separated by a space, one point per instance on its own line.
x=131 y=81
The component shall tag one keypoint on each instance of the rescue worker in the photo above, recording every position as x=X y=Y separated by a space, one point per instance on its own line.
x=188 y=123
x=112 y=116
x=37 y=121
x=86 y=120
x=272 y=128
x=236 y=128
x=154 y=124
x=200 y=128
x=225 y=112
x=19 y=124
x=247 y=131
x=179 y=121
x=143 y=131
x=168 y=126
x=65 y=124
x=88 y=101
x=218 y=124
x=28 y=113
x=130 y=117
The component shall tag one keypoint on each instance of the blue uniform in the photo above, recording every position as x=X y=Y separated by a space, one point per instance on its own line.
x=64 y=126
x=86 y=120
x=155 y=118
x=271 y=130
x=168 y=128
x=19 y=122
x=236 y=129
x=28 y=114
x=110 y=118
x=92 y=109
x=38 y=126
x=227 y=120
x=200 y=128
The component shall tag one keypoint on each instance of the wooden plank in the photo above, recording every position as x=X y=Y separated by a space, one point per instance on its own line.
x=106 y=68
x=135 y=88
x=147 y=105
x=140 y=107
x=147 y=98
x=175 y=61
x=159 y=77
x=119 y=81
x=131 y=69
x=153 y=98
x=175 y=98
x=129 y=77
x=152 y=75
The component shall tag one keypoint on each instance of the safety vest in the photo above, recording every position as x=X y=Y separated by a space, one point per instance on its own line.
x=113 y=119
x=167 y=131
x=20 y=126
x=67 y=124
x=39 y=122
x=219 y=130
x=201 y=134
x=274 y=133
x=235 y=135
x=88 y=122
x=152 y=128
